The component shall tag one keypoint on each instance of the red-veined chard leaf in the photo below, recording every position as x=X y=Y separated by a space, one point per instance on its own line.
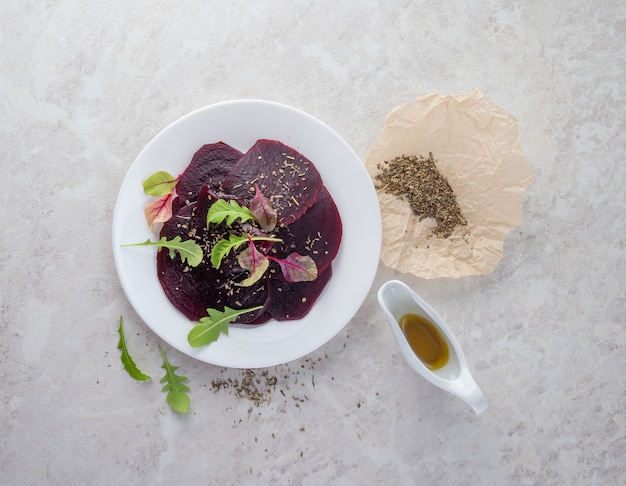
x=254 y=261
x=223 y=247
x=160 y=184
x=159 y=210
x=297 y=268
x=261 y=208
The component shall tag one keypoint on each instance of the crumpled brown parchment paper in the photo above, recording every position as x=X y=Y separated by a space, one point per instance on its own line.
x=477 y=149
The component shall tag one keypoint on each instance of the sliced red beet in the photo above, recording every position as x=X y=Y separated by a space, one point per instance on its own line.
x=308 y=223
x=292 y=301
x=209 y=166
x=193 y=290
x=284 y=175
x=317 y=233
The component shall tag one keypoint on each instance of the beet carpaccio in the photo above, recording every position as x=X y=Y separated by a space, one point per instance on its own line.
x=280 y=260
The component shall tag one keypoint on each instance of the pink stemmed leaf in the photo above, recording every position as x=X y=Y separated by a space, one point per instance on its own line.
x=262 y=209
x=254 y=261
x=159 y=210
x=297 y=268
x=160 y=184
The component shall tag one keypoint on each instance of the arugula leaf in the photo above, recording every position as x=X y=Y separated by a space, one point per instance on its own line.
x=160 y=184
x=188 y=250
x=159 y=210
x=176 y=390
x=297 y=268
x=128 y=362
x=210 y=327
x=228 y=210
x=223 y=247
x=262 y=209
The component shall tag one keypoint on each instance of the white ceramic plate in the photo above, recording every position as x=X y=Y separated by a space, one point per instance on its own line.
x=240 y=124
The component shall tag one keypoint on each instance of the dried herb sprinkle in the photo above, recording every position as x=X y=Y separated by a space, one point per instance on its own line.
x=254 y=388
x=418 y=181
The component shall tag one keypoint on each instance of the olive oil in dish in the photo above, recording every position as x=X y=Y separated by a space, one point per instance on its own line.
x=430 y=348
x=425 y=340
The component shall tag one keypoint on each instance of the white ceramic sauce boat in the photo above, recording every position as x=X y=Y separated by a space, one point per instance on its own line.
x=397 y=300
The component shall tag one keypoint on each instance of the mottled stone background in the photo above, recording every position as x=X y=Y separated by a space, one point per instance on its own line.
x=84 y=86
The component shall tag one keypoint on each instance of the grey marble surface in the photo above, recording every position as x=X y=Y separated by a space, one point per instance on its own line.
x=84 y=86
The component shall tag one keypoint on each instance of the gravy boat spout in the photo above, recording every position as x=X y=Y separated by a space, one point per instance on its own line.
x=398 y=300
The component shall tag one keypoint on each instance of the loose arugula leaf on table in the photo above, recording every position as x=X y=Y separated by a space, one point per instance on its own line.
x=210 y=327
x=160 y=184
x=223 y=247
x=129 y=364
x=176 y=390
x=189 y=251
x=159 y=210
x=228 y=210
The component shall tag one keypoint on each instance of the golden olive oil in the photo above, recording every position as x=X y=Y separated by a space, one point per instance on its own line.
x=425 y=340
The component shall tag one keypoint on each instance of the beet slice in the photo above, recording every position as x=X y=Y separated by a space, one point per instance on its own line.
x=292 y=301
x=317 y=233
x=193 y=290
x=209 y=166
x=286 y=176
x=308 y=223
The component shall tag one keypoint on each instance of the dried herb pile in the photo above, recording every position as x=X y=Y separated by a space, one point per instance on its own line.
x=427 y=191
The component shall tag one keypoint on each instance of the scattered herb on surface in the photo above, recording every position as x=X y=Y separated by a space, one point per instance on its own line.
x=188 y=250
x=129 y=364
x=216 y=322
x=176 y=390
x=427 y=191
x=253 y=386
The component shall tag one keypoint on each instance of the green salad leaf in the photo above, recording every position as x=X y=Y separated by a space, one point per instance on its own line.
x=223 y=247
x=128 y=362
x=188 y=250
x=229 y=211
x=210 y=327
x=176 y=390
x=160 y=184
